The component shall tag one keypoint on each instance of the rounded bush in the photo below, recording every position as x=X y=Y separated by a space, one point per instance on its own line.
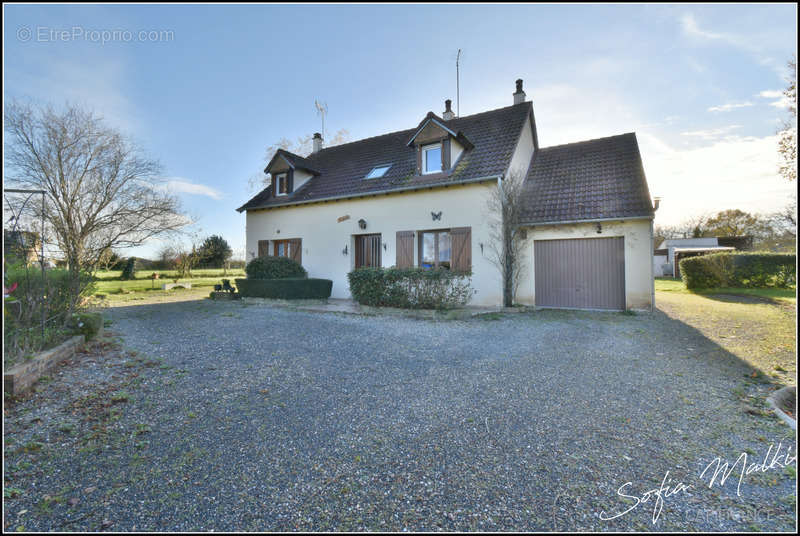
x=274 y=268
x=88 y=324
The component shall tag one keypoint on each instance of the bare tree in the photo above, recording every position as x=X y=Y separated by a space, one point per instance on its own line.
x=506 y=242
x=302 y=146
x=102 y=192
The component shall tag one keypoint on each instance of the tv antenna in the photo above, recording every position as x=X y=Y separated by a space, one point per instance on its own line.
x=458 y=96
x=322 y=109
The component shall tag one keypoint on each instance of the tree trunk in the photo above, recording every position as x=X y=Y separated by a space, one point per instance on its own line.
x=508 y=267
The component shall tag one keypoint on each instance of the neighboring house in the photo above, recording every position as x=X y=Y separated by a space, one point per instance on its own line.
x=418 y=197
x=21 y=246
x=667 y=256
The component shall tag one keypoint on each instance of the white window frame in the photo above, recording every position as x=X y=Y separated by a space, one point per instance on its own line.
x=425 y=149
x=381 y=166
x=278 y=183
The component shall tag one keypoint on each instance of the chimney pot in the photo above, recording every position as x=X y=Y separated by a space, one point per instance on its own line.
x=448 y=111
x=519 y=95
x=317 y=141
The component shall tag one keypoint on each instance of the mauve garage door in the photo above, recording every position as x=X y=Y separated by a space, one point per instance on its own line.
x=587 y=273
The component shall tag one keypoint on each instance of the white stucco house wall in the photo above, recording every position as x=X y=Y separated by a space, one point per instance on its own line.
x=419 y=197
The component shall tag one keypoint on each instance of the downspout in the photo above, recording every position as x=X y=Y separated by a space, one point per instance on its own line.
x=652 y=274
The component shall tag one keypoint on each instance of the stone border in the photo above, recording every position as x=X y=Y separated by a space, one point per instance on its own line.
x=21 y=377
x=224 y=295
x=775 y=399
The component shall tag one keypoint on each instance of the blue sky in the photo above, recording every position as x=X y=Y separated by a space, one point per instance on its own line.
x=699 y=84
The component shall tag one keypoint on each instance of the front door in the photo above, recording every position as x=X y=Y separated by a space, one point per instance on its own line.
x=368 y=250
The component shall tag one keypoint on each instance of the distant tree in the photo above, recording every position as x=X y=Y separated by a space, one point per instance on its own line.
x=129 y=271
x=110 y=260
x=302 y=146
x=166 y=257
x=214 y=252
x=735 y=222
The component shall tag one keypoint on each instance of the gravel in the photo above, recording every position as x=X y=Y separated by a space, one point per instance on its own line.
x=250 y=417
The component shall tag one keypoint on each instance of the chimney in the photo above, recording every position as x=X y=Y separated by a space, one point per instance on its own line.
x=448 y=112
x=519 y=96
x=317 y=143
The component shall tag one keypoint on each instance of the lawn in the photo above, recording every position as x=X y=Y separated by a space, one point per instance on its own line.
x=757 y=325
x=108 y=282
x=788 y=295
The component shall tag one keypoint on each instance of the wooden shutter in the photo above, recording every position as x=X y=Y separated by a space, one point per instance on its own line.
x=274 y=186
x=461 y=244
x=296 y=249
x=263 y=248
x=405 y=249
x=446 y=154
x=290 y=181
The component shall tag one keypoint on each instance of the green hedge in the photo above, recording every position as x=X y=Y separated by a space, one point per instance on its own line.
x=753 y=270
x=410 y=288
x=274 y=268
x=285 y=289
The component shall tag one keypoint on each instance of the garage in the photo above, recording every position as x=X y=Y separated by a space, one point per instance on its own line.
x=581 y=273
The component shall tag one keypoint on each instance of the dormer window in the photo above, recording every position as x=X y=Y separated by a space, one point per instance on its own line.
x=282 y=183
x=378 y=171
x=431 y=158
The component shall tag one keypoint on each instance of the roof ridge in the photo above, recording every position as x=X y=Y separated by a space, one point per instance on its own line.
x=588 y=141
x=413 y=129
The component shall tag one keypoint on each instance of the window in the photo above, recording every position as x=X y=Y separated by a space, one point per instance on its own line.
x=283 y=186
x=434 y=249
x=378 y=171
x=281 y=248
x=432 y=158
x=368 y=250
x=292 y=248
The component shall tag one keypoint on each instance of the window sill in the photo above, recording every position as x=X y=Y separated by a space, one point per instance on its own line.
x=437 y=175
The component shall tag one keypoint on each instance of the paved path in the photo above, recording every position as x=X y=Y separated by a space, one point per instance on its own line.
x=249 y=417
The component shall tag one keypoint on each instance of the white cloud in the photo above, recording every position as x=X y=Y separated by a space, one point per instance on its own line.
x=730 y=106
x=182 y=186
x=736 y=172
x=710 y=133
x=782 y=101
x=690 y=27
x=706 y=170
x=771 y=94
x=753 y=45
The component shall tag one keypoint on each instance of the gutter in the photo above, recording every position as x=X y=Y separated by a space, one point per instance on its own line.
x=567 y=222
x=375 y=193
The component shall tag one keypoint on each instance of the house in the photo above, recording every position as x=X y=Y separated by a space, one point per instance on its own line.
x=418 y=197
x=21 y=246
x=667 y=256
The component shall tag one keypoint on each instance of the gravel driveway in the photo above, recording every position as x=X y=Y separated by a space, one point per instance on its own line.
x=221 y=416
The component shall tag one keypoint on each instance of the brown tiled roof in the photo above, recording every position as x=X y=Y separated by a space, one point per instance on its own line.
x=342 y=168
x=588 y=180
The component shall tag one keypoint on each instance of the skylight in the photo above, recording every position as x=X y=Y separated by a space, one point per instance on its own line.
x=378 y=171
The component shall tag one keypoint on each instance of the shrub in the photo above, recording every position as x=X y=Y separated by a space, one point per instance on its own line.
x=286 y=288
x=754 y=270
x=22 y=311
x=274 y=268
x=129 y=271
x=410 y=288
x=87 y=324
